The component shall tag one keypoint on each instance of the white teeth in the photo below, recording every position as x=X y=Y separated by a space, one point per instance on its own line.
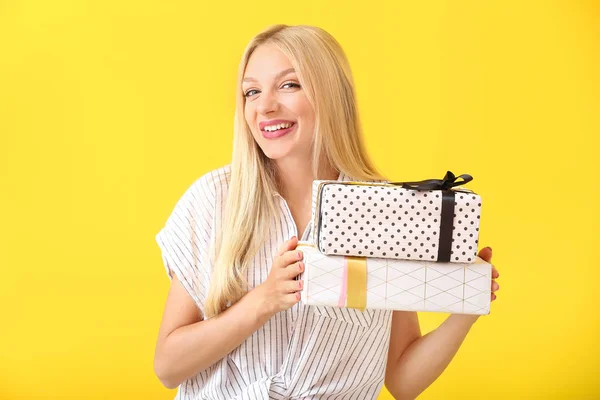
x=272 y=128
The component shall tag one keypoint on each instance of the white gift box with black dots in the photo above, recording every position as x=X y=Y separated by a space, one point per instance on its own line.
x=384 y=220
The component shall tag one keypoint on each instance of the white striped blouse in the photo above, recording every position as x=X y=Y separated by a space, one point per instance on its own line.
x=305 y=352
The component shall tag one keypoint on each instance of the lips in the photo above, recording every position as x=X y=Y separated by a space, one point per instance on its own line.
x=278 y=133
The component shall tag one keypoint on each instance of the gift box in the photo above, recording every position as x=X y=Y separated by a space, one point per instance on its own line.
x=383 y=283
x=430 y=220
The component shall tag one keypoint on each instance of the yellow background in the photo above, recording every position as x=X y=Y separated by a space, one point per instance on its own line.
x=110 y=109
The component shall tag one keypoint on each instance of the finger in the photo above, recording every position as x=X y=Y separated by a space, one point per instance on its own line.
x=495 y=273
x=493 y=297
x=486 y=254
x=290 y=299
x=292 y=270
x=288 y=245
x=293 y=286
x=289 y=257
x=495 y=286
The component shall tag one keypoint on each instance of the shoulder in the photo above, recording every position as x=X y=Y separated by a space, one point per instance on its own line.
x=205 y=195
x=213 y=184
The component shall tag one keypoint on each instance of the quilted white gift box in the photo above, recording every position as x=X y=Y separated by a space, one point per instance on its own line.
x=458 y=288
x=426 y=221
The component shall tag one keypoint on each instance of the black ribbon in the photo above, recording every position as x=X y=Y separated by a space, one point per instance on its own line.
x=448 y=201
x=448 y=182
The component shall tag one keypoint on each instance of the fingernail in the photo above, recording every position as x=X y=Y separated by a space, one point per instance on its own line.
x=293 y=237
x=490 y=248
x=299 y=255
x=299 y=284
x=300 y=266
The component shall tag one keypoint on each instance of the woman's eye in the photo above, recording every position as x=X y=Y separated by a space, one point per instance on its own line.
x=251 y=92
x=291 y=84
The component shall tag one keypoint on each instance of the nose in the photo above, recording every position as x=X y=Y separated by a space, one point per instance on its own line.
x=267 y=102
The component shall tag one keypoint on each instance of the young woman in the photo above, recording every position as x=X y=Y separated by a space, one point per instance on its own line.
x=233 y=326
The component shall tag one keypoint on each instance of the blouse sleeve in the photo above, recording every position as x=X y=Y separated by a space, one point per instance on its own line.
x=185 y=240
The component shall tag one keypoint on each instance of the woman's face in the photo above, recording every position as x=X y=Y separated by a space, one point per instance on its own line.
x=277 y=111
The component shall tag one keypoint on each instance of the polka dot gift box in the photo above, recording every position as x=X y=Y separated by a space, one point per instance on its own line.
x=431 y=220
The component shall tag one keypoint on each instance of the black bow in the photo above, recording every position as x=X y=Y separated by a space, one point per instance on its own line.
x=448 y=182
x=448 y=203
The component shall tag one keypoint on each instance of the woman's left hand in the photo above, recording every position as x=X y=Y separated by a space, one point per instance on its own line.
x=486 y=255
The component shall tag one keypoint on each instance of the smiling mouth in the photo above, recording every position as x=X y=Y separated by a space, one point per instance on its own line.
x=279 y=127
x=277 y=133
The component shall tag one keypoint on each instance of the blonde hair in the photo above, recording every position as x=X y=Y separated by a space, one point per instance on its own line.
x=325 y=76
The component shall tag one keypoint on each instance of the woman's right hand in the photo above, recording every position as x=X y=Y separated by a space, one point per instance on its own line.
x=280 y=291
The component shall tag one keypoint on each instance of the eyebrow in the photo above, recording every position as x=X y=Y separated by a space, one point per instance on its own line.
x=279 y=75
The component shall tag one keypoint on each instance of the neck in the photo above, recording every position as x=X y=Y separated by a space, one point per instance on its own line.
x=295 y=178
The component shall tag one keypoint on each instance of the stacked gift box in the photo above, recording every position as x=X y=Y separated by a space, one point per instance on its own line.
x=396 y=245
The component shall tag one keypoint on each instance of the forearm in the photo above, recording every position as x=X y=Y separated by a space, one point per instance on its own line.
x=426 y=358
x=194 y=348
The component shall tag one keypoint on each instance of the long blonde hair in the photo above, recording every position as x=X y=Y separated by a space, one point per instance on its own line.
x=325 y=76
